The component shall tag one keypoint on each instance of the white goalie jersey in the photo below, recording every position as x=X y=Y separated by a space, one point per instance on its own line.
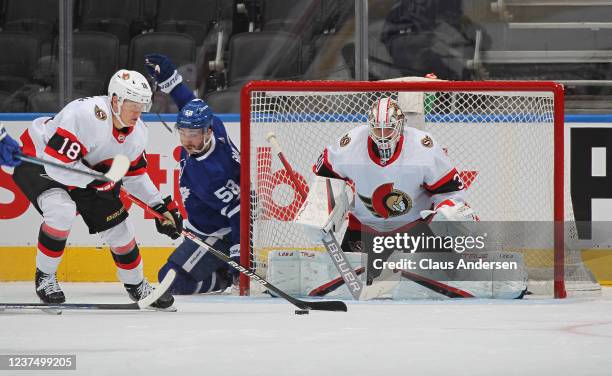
x=391 y=195
x=82 y=135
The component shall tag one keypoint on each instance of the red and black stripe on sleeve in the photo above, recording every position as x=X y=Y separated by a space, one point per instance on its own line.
x=138 y=166
x=450 y=182
x=65 y=146
x=324 y=168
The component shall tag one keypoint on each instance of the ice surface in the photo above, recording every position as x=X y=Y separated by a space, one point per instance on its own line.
x=230 y=335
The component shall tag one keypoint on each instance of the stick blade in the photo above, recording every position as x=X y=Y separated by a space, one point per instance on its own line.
x=330 y=305
x=159 y=290
x=118 y=169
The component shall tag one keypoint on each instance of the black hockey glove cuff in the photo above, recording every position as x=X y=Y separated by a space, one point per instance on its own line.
x=105 y=189
x=172 y=226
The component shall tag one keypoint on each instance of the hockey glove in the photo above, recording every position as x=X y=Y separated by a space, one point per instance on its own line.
x=235 y=256
x=102 y=185
x=450 y=210
x=172 y=226
x=106 y=189
x=163 y=71
x=9 y=149
x=452 y=218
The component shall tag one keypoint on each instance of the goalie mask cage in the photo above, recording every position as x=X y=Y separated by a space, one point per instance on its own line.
x=505 y=138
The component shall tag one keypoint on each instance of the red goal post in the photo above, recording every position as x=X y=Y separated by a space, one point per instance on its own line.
x=302 y=112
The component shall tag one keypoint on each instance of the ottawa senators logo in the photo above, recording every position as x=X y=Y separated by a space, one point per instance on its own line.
x=345 y=140
x=427 y=142
x=100 y=114
x=387 y=202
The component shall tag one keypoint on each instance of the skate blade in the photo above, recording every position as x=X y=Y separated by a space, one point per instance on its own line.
x=52 y=311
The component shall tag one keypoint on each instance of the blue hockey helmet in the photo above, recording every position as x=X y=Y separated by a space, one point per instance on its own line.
x=195 y=115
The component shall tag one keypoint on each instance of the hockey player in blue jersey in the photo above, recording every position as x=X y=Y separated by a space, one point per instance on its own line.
x=209 y=182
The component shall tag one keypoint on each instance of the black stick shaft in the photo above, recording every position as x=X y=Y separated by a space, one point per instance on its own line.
x=321 y=306
x=43 y=162
x=72 y=306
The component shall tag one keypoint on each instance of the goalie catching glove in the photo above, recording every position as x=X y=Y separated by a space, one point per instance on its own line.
x=172 y=226
x=325 y=207
x=451 y=218
x=450 y=210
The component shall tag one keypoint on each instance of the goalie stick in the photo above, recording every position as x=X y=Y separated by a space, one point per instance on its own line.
x=141 y=304
x=344 y=267
x=306 y=305
x=117 y=170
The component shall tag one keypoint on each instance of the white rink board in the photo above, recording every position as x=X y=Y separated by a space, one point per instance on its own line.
x=23 y=229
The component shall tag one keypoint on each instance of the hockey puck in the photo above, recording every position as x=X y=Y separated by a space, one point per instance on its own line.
x=301 y=312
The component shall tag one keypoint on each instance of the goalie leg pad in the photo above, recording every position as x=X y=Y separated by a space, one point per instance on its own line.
x=490 y=284
x=309 y=273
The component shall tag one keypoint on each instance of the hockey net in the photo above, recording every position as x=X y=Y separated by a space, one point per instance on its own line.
x=505 y=138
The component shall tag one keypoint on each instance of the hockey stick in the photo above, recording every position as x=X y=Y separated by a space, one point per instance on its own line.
x=163 y=122
x=155 y=91
x=117 y=170
x=317 y=306
x=141 y=304
x=344 y=267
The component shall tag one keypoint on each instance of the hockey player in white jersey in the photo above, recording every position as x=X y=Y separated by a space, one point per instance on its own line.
x=86 y=134
x=398 y=173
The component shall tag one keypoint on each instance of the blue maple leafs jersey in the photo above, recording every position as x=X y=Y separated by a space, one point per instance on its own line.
x=210 y=187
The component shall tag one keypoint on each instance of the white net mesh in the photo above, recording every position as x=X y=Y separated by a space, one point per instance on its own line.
x=501 y=142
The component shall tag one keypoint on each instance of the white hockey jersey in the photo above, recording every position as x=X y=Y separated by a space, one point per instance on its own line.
x=82 y=135
x=391 y=195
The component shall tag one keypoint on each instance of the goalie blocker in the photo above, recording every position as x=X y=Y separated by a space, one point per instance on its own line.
x=323 y=212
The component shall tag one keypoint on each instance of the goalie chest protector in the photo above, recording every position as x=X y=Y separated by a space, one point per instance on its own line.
x=392 y=194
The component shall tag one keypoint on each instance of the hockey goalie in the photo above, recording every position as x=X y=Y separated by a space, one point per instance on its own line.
x=380 y=188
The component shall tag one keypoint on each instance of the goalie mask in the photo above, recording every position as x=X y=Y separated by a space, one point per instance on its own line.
x=386 y=121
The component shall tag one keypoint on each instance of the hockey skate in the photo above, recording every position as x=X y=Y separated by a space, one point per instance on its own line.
x=47 y=288
x=143 y=289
